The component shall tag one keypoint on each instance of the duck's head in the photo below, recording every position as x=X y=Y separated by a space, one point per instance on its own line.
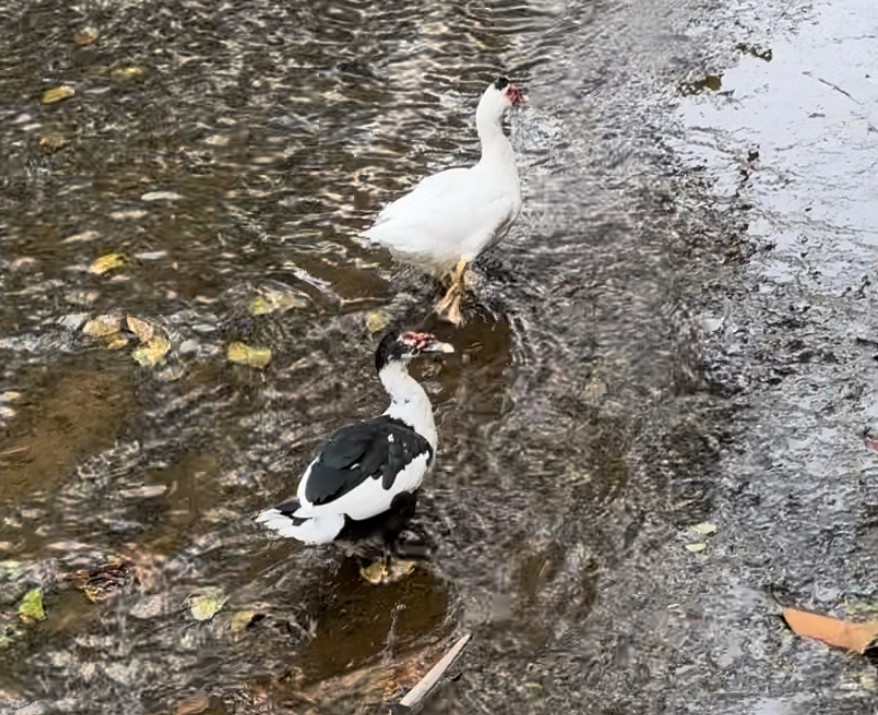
x=403 y=347
x=500 y=95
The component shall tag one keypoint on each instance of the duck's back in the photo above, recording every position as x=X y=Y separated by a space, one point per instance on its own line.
x=446 y=217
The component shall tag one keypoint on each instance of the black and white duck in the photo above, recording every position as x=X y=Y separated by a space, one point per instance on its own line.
x=365 y=480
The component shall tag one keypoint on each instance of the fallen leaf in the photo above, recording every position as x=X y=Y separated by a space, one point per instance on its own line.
x=246 y=355
x=102 y=326
x=241 y=620
x=206 y=604
x=152 y=352
x=107 y=263
x=50 y=143
x=833 y=631
x=695 y=548
x=57 y=94
x=376 y=574
x=705 y=528
x=132 y=73
x=30 y=608
x=260 y=306
x=377 y=320
x=141 y=328
x=85 y=37
x=116 y=341
x=272 y=301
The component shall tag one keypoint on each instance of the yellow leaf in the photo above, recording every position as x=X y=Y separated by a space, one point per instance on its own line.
x=30 y=608
x=241 y=620
x=271 y=301
x=260 y=306
x=705 y=528
x=246 y=355
x=116 y=341
x=833 y=631
x=102 y=326
x=377 y=320
x=141 y=328
x=107 y=263
x=132 y=73
x=57 y=94
x=206 y=604
x=695 y=548
x=152 y=352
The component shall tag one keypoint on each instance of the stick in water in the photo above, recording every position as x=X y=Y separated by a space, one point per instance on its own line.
x=428 y=682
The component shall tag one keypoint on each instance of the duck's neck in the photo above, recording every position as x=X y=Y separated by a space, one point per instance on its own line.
x=496 y=149
x=408 y=401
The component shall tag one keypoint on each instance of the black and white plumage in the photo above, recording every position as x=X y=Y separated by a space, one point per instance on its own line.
x=366 y=477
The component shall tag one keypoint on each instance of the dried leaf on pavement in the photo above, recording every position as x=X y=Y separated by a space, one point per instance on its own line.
x=152 y=352
x=57 y=94
x=30 y=608
x=102 y=326
x=106 y=263
x=205 y=605
x=141 y=328
x=247 y=355
x=856 y=637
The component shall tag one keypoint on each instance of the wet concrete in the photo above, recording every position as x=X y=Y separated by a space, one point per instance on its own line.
x=677 y=330
x=790 y=141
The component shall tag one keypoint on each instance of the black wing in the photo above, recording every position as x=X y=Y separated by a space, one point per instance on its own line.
x=380 y=448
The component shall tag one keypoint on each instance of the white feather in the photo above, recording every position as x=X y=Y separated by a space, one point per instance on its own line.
x=457 y=213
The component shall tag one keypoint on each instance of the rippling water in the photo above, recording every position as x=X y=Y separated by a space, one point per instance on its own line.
x=281 y=128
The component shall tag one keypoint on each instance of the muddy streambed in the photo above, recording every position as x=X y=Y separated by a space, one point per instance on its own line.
x=677 y=330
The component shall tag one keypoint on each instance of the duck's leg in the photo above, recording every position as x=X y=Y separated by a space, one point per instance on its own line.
x=449 y=306
x=453 y=314
x=402 y=508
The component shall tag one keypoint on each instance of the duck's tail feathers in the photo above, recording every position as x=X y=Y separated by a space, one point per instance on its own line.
x=292 y=520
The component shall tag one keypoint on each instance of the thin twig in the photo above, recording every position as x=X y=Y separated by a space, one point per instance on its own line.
x=429 y=681
x=835 y=87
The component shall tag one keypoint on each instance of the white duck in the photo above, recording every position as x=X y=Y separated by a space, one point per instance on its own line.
x=451 y=217
x=365 y=479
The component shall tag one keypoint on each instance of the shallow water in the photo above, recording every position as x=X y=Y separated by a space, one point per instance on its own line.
x=580 y=432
